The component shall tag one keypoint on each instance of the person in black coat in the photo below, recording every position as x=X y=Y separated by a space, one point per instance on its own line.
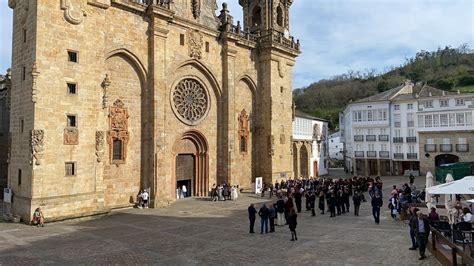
x=356 y=199
x=264 y=214
x=292 y=222
x=332 y=205
x=422 y=231
x=252 y=211
x=376 y=204
x=321 y=201
x=345 y=199
x=298 y=197
x=312 y=199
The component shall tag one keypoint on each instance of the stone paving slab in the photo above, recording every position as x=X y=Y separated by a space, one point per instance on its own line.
x=198 y=231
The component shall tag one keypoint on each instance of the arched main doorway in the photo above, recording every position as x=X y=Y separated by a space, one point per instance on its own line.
x=192 y=163
x=445 y=159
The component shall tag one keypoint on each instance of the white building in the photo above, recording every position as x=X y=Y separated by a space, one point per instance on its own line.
x=399 y=130
x=336 y=148
x=310 y=152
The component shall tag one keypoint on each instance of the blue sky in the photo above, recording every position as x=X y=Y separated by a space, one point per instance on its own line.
x=342 y=35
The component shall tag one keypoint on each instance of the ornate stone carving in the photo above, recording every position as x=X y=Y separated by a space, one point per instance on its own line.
x=118 y=116
x=34 y=75
x=99 y=145
x=244 y=131
x=36 y=144
x=71 y=136
x=71 y=14
x=190 y=101
x=105 y=85
x=271 y=145
x=118 y=130
x=282 y=138
x=12 y=4
x=316 y=131
x=196 y=7
x=195 y=44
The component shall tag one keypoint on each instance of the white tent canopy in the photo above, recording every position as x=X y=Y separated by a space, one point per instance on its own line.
x=461 y=186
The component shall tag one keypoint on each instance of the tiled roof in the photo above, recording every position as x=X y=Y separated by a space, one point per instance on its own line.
x=302 y=114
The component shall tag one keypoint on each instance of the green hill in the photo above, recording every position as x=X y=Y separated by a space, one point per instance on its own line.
x=446 y=69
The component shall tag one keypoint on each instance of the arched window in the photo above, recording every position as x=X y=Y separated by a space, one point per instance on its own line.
x=256 y=16
x=279 y=16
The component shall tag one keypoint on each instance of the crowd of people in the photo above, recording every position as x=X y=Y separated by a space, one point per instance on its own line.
x=332 y=195
x=224 y=191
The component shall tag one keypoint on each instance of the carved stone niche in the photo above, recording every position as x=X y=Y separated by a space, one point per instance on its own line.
x=37 y=145
x=99 y=145
x=195 y=44
x=118 y=135
x=71 y=136
x=244 y=131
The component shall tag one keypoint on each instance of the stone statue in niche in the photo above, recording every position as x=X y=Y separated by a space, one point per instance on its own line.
x=118 y=132
x=99 y=145
x=37 y=143
x=196 y=7
x=71 y=136
x=316 y=131
x=243 y=130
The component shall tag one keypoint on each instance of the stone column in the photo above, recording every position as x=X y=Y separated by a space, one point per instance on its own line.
x=157 y=164
x=366 y=163
x=298 y=160
x=354 y=166
x=378 y=167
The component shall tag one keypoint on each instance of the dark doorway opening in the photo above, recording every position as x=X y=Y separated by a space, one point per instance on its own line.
x=185 y=174
x=446 y=159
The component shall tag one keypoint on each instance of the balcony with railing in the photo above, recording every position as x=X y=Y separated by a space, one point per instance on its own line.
x=161 y=3
x=411 y=139
x=398 y=140
x=445 y=147
x=462 y=147
x=383 y=137
x=359 y=154
x=384 y=154
x=358 y=137
x=371 y=154
x=412 y=156
x=275 y=37
x=398 y=155
x=430 y=148
x=370 y=138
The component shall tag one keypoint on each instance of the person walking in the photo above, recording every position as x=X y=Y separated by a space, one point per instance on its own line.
x=271 y=217
x=393 y=206
x=298 y=197
x=280 y=209
x=292 y=222
x=252 y=211
x=264 y=214
x=145 y=196
x=412 y=225
x=332 y=205
x=184 y=190
x=376 y=204
x=422 y=231
x=356 y=199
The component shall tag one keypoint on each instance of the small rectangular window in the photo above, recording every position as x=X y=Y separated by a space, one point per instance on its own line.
x=23 y=73
x=117 y=150
x=19 y=176
x=22 y=125
x=71 y=121
x=207 y=47
x=396 y=107
x=459 y=101
x=70 y=168
x=443 y=103
x=71 y=88
x=72 y=56
x=410 y=106
x=24 y=35
x=181 y=39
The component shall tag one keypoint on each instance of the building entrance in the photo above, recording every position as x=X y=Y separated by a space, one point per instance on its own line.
x=191 y=164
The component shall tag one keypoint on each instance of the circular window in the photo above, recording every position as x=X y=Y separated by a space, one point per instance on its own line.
x=190 y=101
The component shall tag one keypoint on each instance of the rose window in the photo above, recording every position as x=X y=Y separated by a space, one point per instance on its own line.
x=190 y=101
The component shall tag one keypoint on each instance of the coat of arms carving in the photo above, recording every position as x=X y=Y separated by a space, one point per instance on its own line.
x=195 y=44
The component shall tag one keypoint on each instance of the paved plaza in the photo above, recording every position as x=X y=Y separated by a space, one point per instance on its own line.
x=197 y=231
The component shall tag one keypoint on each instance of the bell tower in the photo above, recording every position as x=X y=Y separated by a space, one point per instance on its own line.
x=262 y=15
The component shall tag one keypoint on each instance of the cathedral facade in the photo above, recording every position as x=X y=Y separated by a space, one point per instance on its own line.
x=113 y=96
